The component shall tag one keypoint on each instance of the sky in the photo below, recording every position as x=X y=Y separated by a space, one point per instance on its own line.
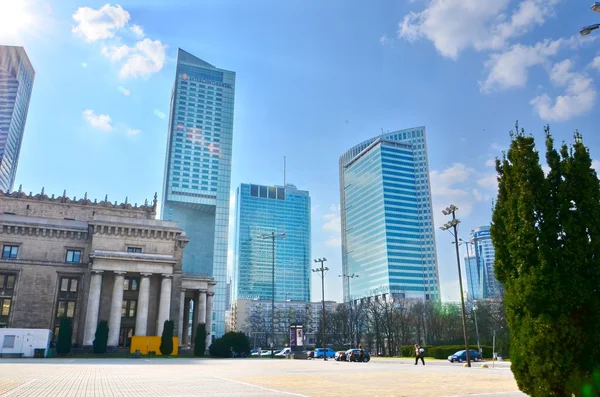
x=314 y=78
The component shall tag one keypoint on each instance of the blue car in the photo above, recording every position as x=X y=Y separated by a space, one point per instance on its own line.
x=461 y=356
x=319 y=353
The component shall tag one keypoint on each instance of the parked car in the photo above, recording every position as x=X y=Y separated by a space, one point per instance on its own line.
x=319 y=353
x=254 y=352
x=354 y=355
x=284 y=352
x=461 y=356
x=268 y=352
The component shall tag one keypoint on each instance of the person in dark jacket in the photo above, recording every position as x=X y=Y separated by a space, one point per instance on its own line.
x=419 y=354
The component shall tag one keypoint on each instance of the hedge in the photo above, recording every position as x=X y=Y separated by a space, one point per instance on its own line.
x=442 y=352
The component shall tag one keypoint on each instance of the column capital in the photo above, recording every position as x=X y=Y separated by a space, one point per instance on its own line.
x=119 y=273
x=146 y=274
x=182 y=290
x=97 y=271
x=210 y=294
x=167 y=275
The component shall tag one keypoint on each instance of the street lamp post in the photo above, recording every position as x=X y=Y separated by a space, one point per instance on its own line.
x=584 y=31
x=322 y=270
x=453 y=225
x=272 y=236
x=348 y=277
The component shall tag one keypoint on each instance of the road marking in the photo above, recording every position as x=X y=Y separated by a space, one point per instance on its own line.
x=261 y=387
x=21 y=386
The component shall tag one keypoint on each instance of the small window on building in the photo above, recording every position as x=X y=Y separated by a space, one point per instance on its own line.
x=134 y=249
x=5 y=307
x=10 y=252
x=9 y=342
x=73 y=256
x=128 y=308
x=130 y=284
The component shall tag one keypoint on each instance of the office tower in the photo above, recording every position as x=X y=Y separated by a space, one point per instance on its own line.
x=16 y=82
x=472 y=275
x=198 y=170
x=262 y=211
x=489 y=287
x=388 y=235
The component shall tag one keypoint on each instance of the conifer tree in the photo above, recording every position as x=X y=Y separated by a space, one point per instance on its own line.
x=166 y=340
x=65 y=336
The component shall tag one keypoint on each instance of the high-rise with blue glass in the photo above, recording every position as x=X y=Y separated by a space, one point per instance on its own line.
x=484 y=253
x=388 y=237
x=262 y=211
x=197 y=174
x=16 y=82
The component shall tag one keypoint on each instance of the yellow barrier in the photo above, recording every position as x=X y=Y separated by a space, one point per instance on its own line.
x=147 y=344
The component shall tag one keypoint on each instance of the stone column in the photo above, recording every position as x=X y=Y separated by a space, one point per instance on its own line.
x=199 y=312
x=164 y=306
x=93 y=307
x=209 y=310
x=141 y=318
x=181 y=312
x=116 y=305
x=186 y=322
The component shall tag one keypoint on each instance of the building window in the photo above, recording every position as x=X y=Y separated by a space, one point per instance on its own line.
x=10 y=252
x=67 y=298
x=128 y=309
x=8 y=342
x=73 y=256
x=134 y=249
x=130 y=284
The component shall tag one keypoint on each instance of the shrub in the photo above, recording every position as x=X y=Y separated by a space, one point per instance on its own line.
x=101 y=337
x=200 y=340
x=166 y=339
x=221 y=347
x=65 y=337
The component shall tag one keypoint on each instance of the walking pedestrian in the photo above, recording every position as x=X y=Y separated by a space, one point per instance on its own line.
x=419 y=353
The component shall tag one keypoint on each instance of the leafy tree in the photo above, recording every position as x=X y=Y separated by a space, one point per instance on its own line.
x=546 y=232
x=65 y=336
x=101 y=337
x=200 y=342
x=221 y=347
x=166 y=339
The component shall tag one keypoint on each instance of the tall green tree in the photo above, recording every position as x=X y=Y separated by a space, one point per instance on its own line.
x=200 y=340
x=64 y=341
x=101 y=337
x=166 y=339
x=546 y=232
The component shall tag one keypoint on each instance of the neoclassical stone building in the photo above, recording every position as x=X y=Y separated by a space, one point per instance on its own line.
x=95 y=261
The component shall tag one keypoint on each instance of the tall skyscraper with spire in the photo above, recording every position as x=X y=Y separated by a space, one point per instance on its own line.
x=197 y=173
x=16 y=82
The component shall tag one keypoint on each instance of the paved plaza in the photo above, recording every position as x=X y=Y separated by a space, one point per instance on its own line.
x=249 y=377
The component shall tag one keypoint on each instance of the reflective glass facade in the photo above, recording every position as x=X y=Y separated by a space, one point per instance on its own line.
x=489 y=287
x=473 y=277
x=16 y=82
x=262 y=210
x=197 y=174
x=388 y=235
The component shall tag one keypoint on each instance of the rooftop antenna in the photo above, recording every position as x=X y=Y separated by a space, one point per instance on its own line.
x=284 y=171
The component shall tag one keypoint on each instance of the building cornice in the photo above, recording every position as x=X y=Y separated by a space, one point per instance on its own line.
x=20 y=226
x=132 y=257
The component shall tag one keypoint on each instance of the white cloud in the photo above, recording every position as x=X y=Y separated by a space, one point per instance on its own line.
x=490 y=163
x=455 y=25
x=159 y=114
x=509 y=69
x=124 y=90
x=451 y=187
x=596 y=63
x=596 y=165
x=383 y=40
x=137 y=30
x=146 y=58
x=579 y=98
x=489 y=182
x=83 y=65
x=132 y=131
x=101 y=23
x=333 y=242
x=333 y=220
x=98 y=121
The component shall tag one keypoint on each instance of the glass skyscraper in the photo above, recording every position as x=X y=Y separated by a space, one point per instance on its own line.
x=485 y=253
x=473 y=276
x=262 y=210
x=197 y=174
x=16 y=82
x=388 y=237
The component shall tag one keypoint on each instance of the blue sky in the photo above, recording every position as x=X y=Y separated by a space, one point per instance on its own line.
x=314 y=78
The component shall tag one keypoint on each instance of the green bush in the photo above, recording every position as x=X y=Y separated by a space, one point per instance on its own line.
x=200 y=340
x=65 y=337
x=166 y=340
x=221 y=347
x=101 y=337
